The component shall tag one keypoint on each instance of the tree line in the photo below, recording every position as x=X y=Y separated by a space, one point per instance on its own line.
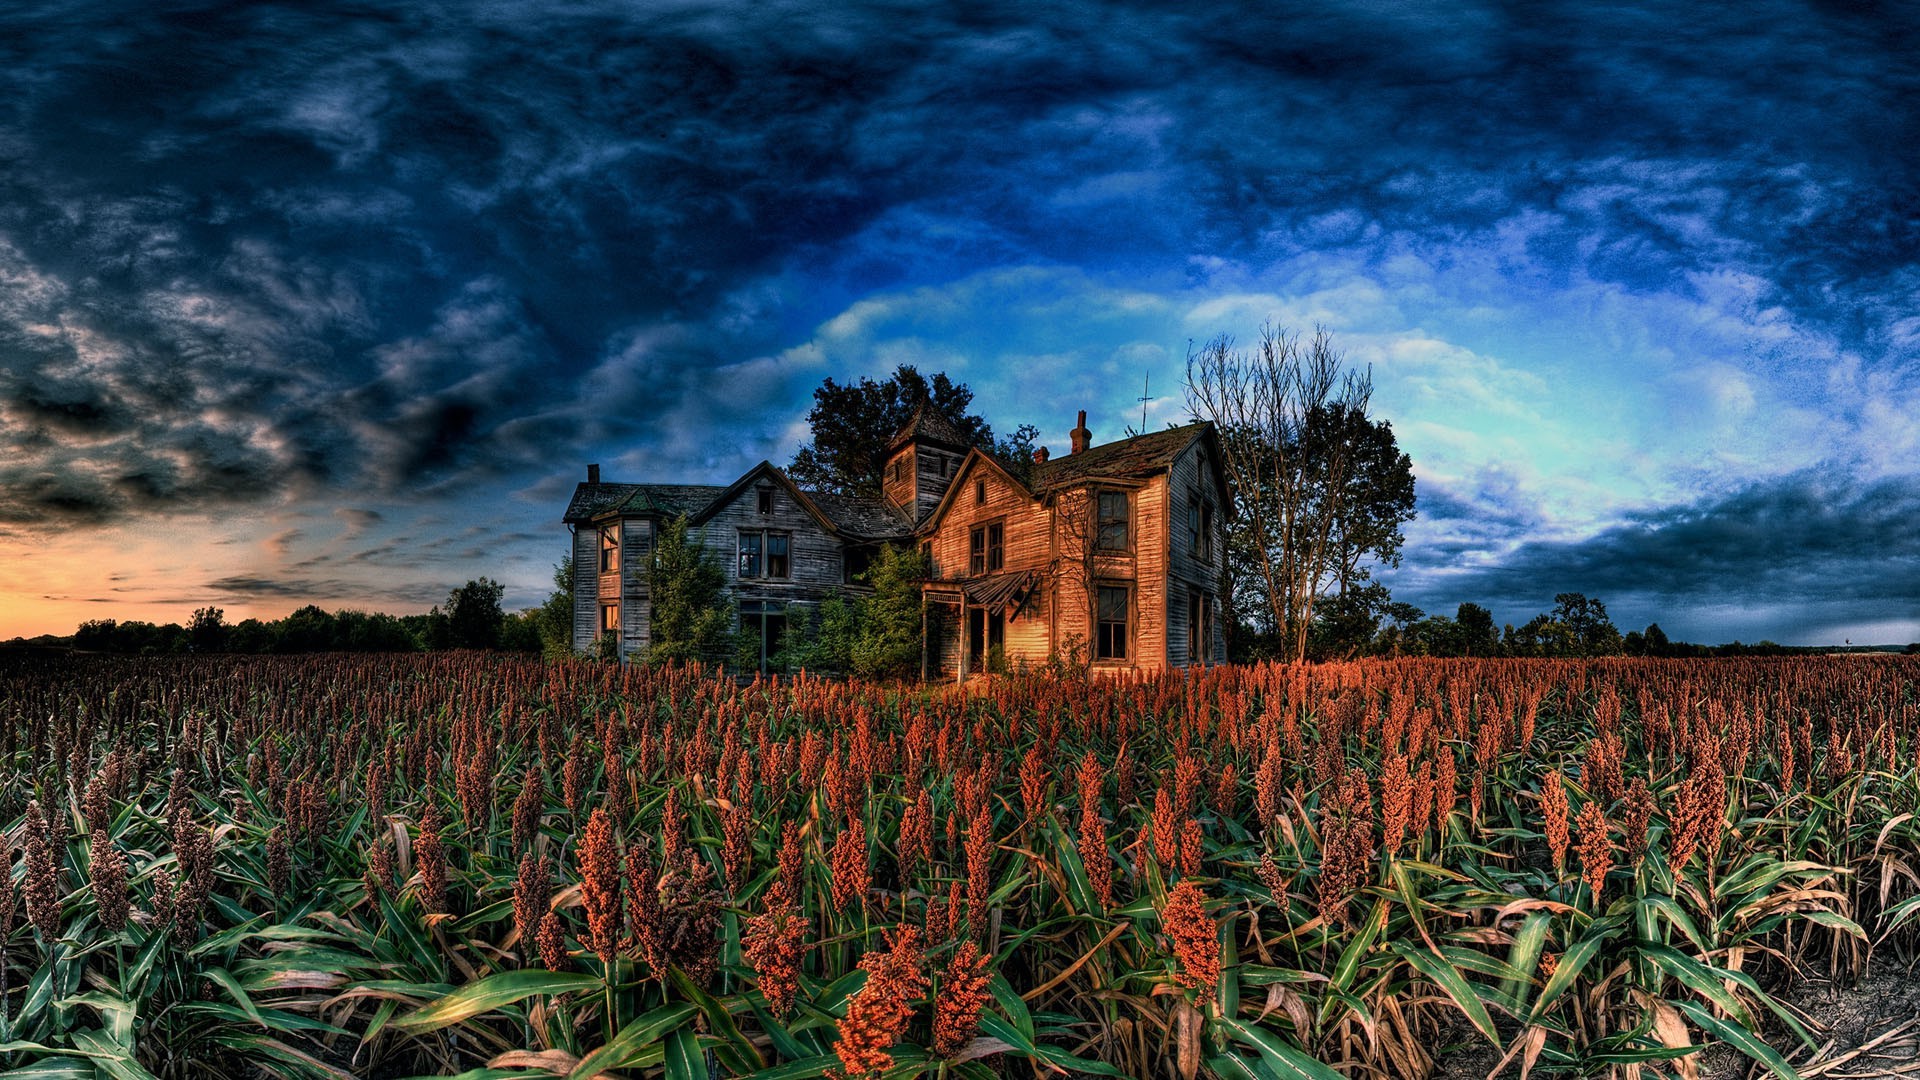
x=471 y=618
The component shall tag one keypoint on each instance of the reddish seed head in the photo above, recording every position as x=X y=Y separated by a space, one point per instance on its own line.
x=1193 y=935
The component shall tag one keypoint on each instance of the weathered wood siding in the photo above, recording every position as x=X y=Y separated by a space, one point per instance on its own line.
x=921 y=477
x=586 y=586
x=636 y=609
x=1193 y=477
x=1140 y=570
x=1025 y=545
x=814 y=554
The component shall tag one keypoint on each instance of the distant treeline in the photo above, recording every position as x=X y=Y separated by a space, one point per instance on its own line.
x=1578 y=626
x=472 y=618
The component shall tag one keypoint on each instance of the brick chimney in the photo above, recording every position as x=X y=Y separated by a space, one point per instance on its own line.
x=593 y=474
x=1040 y=456
x=1082 y=438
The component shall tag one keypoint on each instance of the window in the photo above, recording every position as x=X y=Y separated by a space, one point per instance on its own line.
x=763 y=554
x=926 y=552
x=609 y=548
x=1200 y=527
x=609 y=618
x=766 y=500
x=777 y=555
x=1110 y=623
x=750 y=554
x=980 y=493
x=1112 y=533
x=1199 y=627
x=763 y=625
x=855 y=565
x=986 y=550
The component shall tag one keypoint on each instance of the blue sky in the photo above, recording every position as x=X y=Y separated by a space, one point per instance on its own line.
x=334 y=304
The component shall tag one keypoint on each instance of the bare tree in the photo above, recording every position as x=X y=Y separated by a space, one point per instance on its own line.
x=1289 y=469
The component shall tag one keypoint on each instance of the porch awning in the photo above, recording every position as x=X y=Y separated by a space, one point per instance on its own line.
x=1000 y=592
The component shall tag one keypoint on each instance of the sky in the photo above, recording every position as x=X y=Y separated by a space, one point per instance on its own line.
x=333 y=304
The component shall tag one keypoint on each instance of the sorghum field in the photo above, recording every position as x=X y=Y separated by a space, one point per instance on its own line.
x=459 y=864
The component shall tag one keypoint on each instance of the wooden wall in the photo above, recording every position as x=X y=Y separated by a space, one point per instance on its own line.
x=1188 y=573
x=636 y=549
x=815 y=554
x=586 y=586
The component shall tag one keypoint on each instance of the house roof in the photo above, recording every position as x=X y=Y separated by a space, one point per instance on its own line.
x=867 y=519
x=1142 y=455
x=872 y=519
x=930 y=425
x=592 y=500
x=1003 y=592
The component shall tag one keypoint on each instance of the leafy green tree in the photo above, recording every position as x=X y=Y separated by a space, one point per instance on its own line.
x=1347 y=622
x=474 y=615
x=1319 y=489
x=691 y=620
x=1015 y=451
x=306 y=629
x=1477 y=634
x=1586 y=621
x=822 y=640
x=1368 y=521
x=1654 y=641
x=852 y=423
x=553 y=620
x=888 y=645
x=207 y=630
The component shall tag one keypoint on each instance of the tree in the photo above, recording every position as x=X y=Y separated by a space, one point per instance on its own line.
x=1346 y=623
x=1015 y=451
x=690 y=616
x=1319 y=490
x=207 y=630
x=888 y=645
x=1379 y=496
x=1478 y=635
x=1587 y=624
x=474 y=615
x=553 y=620
x=852 y=423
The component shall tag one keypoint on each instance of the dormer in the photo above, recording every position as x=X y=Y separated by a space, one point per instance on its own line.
x=921 y=460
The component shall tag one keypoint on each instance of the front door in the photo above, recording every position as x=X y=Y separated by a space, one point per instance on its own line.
x=986 y=632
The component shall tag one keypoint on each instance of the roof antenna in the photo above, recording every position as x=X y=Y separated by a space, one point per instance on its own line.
x=1145 y=385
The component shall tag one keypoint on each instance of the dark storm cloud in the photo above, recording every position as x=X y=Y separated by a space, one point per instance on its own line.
x=261 y=252
x=1813 y=544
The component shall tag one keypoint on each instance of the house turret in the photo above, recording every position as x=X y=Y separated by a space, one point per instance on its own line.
x=922 y=458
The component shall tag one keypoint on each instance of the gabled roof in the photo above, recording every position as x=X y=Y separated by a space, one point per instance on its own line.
x=930 y=425
x=764 y=470
x=870 y=519
x=667 y=500
x=974 y=459
x=854 y=518
x=1140 y=456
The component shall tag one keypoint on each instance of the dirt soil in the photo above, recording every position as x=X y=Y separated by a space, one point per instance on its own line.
x=1866 y=1032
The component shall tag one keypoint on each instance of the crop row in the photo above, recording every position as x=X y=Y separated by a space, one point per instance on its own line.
x=395 y=866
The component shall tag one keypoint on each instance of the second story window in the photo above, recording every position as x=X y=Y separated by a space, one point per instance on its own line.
x=763 y=554
x=979 y=493
x=1112 y=531
x=766 y=500
x=609 y=548
x=1200 y=527
x=986 y=549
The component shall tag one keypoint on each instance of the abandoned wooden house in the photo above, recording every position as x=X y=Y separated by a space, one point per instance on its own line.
x=1108 y=554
